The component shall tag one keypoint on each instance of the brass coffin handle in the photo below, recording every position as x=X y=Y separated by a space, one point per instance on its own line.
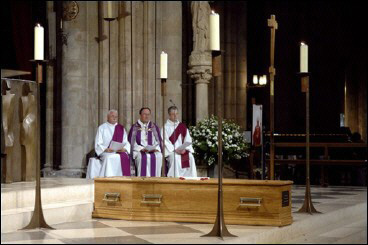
x=151 y=198
x=111 y=197
x=250 y=202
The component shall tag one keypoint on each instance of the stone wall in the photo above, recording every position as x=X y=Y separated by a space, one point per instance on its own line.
x=136 y=39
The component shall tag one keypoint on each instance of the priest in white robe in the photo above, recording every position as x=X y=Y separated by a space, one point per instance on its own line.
x=181 y=163
x=145 y=140
x=113 y=163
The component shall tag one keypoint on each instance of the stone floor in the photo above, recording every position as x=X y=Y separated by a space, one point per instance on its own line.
x=343 y=220
x=63 y=200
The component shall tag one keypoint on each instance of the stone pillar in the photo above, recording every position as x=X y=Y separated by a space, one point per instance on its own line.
x=200 y=61
x=356 y=98
x=241 y=68
x=78 y=89
x=125 y=65
x=201 y=70
x=144 y=30
x=51 y=19
x=171 y=38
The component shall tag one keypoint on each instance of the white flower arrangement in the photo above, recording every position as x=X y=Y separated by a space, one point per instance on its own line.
x=205 y=141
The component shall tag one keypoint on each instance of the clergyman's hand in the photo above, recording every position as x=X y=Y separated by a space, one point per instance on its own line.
x=180 y=152
x=121 y=150
x=109 y=150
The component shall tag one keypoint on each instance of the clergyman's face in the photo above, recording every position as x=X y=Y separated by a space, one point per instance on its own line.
x=173 y=115
x=145 y=116
x=112 y=117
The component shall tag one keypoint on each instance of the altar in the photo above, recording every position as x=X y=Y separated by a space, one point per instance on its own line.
x=246 y=202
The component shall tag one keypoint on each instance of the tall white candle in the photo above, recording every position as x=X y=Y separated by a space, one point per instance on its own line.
x=303 y=57
x=163 y=65
x=261 y=80
x=264 y=79
x=214 y=31
x=38 y=42
x=255 y=79
x=110 y=12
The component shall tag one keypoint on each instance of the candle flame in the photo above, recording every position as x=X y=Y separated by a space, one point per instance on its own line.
x=302 y=43
x=213 y=12
x=38 y=25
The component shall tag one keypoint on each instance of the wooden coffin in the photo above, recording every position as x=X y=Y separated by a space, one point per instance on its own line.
x=246 y=202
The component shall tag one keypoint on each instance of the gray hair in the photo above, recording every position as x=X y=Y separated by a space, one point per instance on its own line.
x=112 y=111
x=172 y=108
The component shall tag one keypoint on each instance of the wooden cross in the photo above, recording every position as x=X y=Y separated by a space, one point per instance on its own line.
x=272 y=23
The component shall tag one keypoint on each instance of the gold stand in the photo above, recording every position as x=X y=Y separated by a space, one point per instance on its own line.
x=163 y=93
x=308 y=204
x=219 y=229
x=38 y=220
x=272 y=23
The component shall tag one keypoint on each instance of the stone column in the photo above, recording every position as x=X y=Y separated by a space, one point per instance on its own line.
x=51 y=19
x=171 y=38
x=241 y=68
x=200 y=62
x=78 y=89
x=201 y=70
x=144 y=30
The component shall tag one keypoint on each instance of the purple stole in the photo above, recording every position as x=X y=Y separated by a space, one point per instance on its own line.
x=151 y=126
x=124 y=158
x=181 y=129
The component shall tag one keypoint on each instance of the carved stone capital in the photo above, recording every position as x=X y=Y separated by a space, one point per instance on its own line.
x=200 y=67
x=200 y=59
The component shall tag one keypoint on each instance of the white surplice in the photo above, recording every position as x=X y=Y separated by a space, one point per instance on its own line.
x=137 y=151
x=111 y=164
x=175 y=169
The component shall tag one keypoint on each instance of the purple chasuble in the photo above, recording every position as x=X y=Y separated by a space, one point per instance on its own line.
x=144 y=154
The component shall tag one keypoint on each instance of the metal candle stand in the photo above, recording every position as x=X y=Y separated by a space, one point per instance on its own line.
x=308 y=204
x=38 y=220
x=163 y=93
x=219 y=229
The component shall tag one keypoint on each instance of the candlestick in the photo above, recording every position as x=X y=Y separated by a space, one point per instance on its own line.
x=163 y=94
x=303 y=57
x=214 y=31
x=38 y=42
x=37 y=219
x=308 y=204
x=219 y=229
x=163 y=65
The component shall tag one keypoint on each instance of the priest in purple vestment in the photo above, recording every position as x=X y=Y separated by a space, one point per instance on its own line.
x=145 y=140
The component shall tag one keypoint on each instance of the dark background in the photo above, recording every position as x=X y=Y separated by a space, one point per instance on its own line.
x=18 y=19
x=334 y=32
